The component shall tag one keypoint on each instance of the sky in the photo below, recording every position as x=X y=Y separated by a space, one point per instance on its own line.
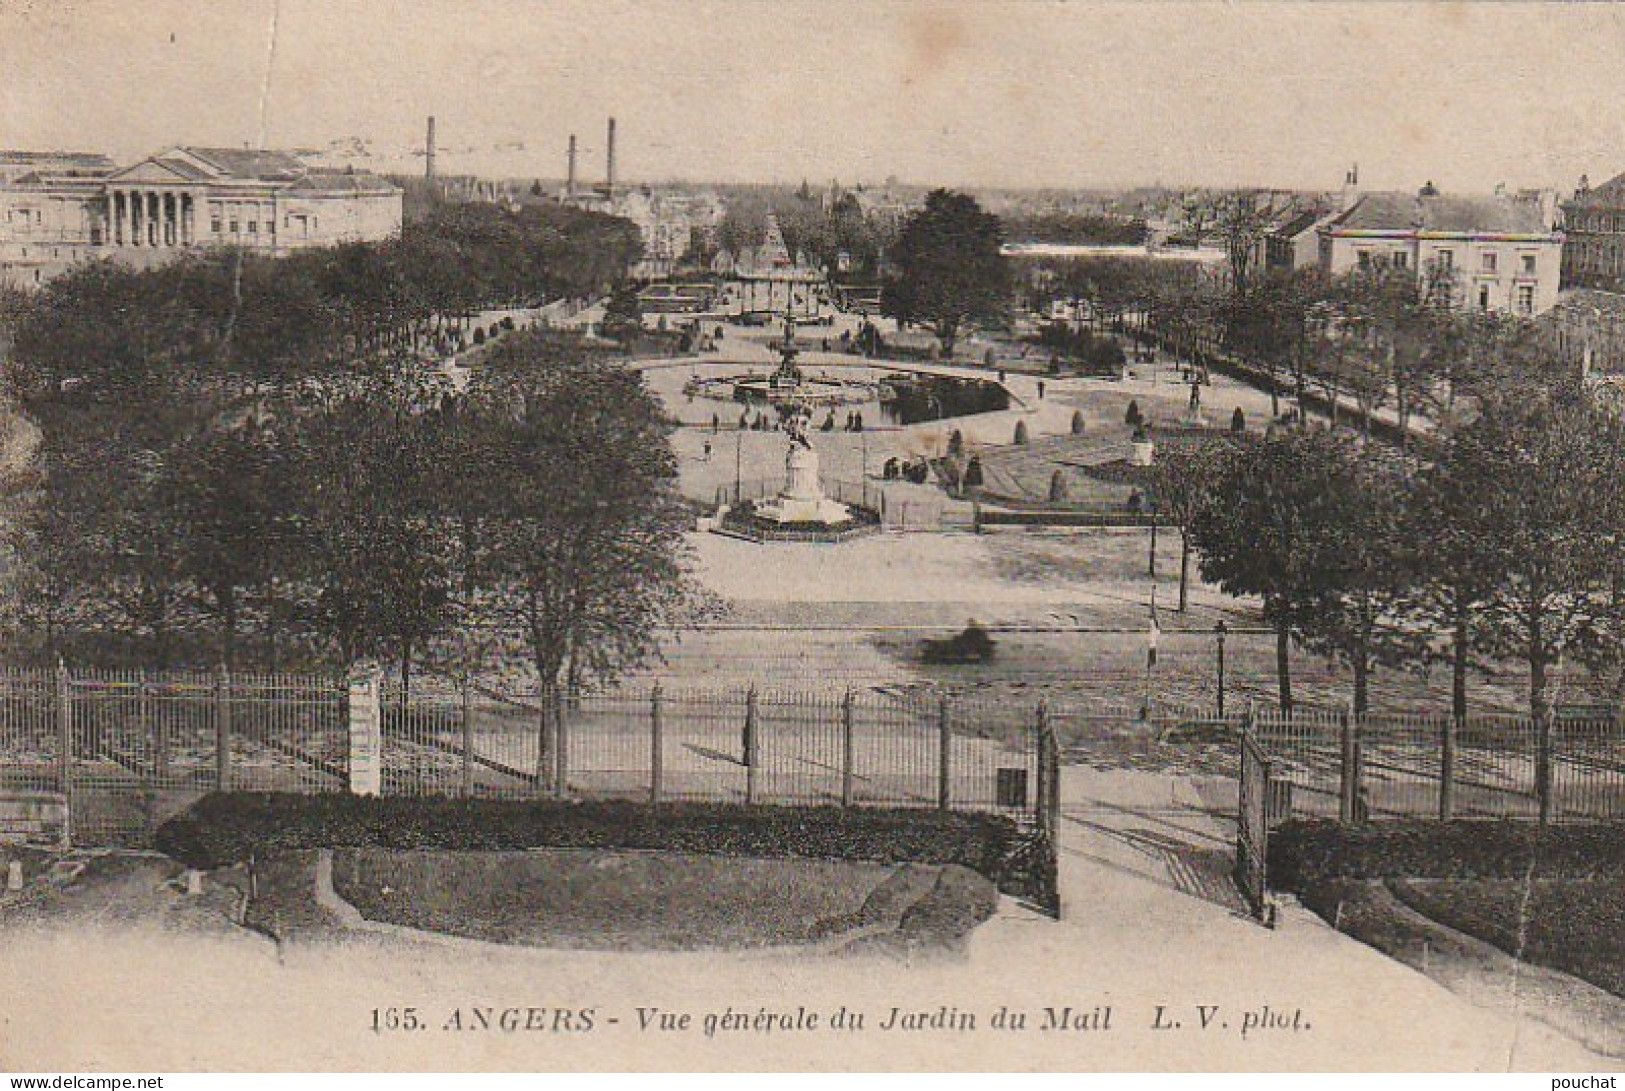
x=1008 y=93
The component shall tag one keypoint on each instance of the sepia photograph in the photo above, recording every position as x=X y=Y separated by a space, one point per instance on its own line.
x=901 y=536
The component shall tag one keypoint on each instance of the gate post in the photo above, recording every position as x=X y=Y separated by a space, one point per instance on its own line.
x=467 y=711
x=657 y=744
x=1447 y=767
x=222 y=729
x=945 y=753
x=366 y=730
x=749 y=745
x=847 y=732
x=64 y=745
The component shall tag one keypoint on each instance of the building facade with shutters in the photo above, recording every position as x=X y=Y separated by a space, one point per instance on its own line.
x=1501 y=253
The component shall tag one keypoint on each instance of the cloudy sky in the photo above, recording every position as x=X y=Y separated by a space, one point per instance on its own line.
x=1010 y=92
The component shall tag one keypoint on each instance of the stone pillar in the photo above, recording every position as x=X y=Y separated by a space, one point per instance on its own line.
x=155 y=220
x=110 y=232
x=132 y=219
x=366 y=730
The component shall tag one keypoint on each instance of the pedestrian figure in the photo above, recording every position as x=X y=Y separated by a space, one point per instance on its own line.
x=708 y=450
x=716 y=424
x=1041 y=390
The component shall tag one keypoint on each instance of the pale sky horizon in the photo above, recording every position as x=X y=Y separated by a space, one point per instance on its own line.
x=1018 y=93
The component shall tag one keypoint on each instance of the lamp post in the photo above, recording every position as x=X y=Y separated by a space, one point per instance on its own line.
x=739 y=465
x=1219 y=631
x=1151 y=560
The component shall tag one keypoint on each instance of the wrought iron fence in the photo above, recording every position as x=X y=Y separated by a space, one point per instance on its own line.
x=129 y=749
x=1438 y=766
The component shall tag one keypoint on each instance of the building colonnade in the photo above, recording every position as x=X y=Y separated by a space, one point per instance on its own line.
x=139 y=217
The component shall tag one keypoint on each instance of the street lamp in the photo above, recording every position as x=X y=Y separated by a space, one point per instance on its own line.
x=1219 y=630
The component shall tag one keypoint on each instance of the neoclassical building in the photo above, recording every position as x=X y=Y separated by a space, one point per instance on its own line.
x=72 y=207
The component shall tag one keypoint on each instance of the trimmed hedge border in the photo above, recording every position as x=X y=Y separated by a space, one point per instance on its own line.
x=1305 y=852
x=223 y=829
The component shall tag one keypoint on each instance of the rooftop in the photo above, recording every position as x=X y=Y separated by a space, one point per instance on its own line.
x=1443 y=214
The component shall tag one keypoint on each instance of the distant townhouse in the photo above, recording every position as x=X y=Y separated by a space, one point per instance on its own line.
x=1594 y=236
x=1500 y=253
x=67 y=208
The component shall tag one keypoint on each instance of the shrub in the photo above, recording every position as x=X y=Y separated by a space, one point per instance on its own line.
x=1020 y=438
x=971 y=644
x=1057 y=487
x=956 y=443
x=1077 y=422
x=1304 y=852
x=973 y=472
x=507 y=322
x=225 y=828
x=1238 y=421
x=1131 y=416
x=479 y=335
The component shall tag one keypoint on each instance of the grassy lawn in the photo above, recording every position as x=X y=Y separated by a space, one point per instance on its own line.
x=1573 y=925
x=613 y=900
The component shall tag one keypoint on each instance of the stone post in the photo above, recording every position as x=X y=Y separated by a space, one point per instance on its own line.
x=366 y=729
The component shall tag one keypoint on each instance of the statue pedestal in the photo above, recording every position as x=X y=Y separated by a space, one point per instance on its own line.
x=802 y=499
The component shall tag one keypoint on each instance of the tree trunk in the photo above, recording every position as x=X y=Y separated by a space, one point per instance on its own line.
x=227 y=597
x=1540 y=711
x=1458 y=664
x=1184 y=567
x=1361 y=663
x=1283 y=666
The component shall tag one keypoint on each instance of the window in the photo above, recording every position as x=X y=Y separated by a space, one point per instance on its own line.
x=1489 y=261
x=214 y=225
x=253 y=227
x=1401 y=259
x=1447 y=260
x=1529 y=264
x=1483 y=297
x=1364 y=257
x=234 y=227
x=1526 y=299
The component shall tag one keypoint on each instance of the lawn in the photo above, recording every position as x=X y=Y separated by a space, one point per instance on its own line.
x=1573 y=925
x=613 y=900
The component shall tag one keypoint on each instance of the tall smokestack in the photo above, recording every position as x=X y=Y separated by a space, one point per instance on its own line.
x=428 y=159
x=570 y=178
x=609 y=171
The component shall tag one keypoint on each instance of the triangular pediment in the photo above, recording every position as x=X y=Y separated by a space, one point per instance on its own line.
x=149 y=172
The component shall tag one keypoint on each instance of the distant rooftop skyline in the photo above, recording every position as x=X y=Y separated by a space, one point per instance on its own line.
x=1016 y=94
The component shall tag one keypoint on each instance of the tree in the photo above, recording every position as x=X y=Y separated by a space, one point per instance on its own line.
x=1546 y=474
x=582 y=539
x=1364 y=578
x=623 y=314
x=1238 y=219
x=1265 y=530
x=1181 y=486
x=949 y=267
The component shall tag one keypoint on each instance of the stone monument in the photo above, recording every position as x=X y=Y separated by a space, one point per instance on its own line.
x=802 y=499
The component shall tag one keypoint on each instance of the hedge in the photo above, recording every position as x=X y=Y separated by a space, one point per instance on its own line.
x=1304 y=852
x=222 y=829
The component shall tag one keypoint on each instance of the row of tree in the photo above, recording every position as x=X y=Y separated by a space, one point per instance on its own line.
x=1502 y=542
x=254 y=320
x=378 y=515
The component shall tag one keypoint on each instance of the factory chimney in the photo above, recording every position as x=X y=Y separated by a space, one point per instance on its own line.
x=609 y=170
x=428 y=159
x=570 y=177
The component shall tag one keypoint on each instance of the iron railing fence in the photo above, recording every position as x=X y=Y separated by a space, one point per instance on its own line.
x=128 y=749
